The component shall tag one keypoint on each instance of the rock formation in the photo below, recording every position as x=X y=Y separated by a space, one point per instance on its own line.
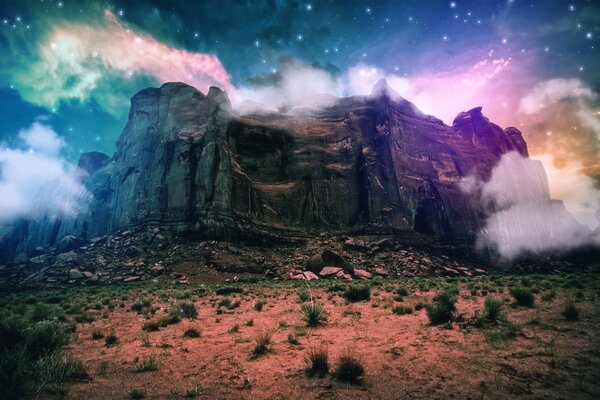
x=187 y=162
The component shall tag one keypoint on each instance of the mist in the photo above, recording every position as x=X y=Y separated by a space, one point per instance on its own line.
x=522 y=217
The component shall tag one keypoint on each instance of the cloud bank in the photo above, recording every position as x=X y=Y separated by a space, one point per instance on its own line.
x=522 y=217
x=35 y=179
x=296 y=83
x=564 y=133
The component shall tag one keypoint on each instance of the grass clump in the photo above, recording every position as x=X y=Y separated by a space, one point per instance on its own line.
x=498 y=336
x=146 y=364
x=303 y=295
x=313 y=314
x=225 y=302
x=443 y=308
x=402 y=291
x=492 y=310
x=316 y=361
x=523 y=296
x=570 y=312
x=349 y=368
x=111 y=340
x=402 y=310
x=191 y=333
x=186 y=310
x=358 y=293
x=136 y=393
x=97 y=335
x=151 y=326
x=262 y=341
x=258 y=306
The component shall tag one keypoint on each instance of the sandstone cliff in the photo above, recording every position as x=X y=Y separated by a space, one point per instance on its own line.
x=376 y=163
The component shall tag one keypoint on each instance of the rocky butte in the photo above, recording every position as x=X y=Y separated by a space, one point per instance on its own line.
x=188 y=164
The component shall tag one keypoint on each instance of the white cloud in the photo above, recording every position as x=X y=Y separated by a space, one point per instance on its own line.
x=552 y=91
x=42 y=138
x=299 y=84
x=430 y=92
x=36 y=165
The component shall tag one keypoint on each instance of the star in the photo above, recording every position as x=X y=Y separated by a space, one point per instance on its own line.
x=309 y=7
x=571 y=7
x=445 y=38
x=452 y=4
x=589 y=35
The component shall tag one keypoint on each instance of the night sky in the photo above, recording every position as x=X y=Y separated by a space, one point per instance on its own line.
x=73 y=65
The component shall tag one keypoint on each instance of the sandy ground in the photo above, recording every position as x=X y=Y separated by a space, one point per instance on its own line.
x=404 y=357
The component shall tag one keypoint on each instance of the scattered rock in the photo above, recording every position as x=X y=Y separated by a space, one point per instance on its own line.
x=309 y=276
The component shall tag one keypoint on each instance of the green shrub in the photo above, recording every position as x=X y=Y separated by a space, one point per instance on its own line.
x=523 y=296
x=11 y=329
x=336 y=287
x=45 y=337
x=402 y=291
x=41 y=312
x=186 y=310
x=316 y=361
x=313 y=313
x=30 y=356
x=358 y=293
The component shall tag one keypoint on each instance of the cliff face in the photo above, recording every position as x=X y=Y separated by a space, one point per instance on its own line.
x=186 y=161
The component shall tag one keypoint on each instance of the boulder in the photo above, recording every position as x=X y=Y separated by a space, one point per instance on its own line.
x=66 y=258
x=68 y=243
x=75 y=274
x=362 y=274
x=327 y=258
x=309 y=276
x=328 y=272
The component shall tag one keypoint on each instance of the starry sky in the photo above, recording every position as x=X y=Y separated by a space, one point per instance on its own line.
x=72 y=66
